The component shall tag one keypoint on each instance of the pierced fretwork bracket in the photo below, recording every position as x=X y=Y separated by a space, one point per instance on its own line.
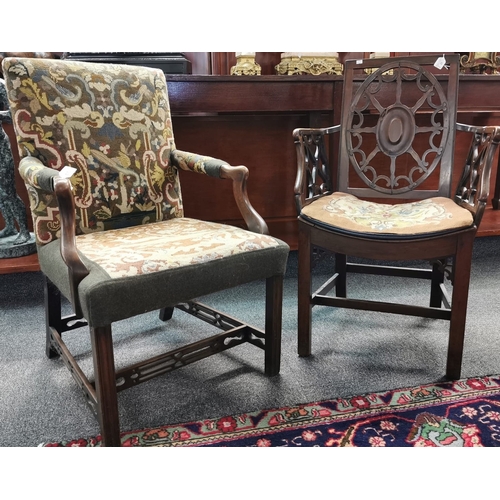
x=234 y=333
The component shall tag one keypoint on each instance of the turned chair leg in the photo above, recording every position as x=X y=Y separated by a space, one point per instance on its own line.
x=304 y=317
x=274 y=310
x=105 y=384
x=460 y=295
x=52 y=315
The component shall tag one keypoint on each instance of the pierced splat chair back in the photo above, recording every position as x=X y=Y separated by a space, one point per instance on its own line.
x=397 y=138
x=398 y=130
x=392 y=200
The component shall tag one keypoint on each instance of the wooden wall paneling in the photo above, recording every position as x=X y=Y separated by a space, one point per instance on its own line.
x=239 y=140
x=222 y=62
x=250 y=94
x=268 y=61
x=249 y=121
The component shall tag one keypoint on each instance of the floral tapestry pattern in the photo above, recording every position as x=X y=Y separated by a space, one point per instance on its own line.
x=159 y=246
x=351 y=213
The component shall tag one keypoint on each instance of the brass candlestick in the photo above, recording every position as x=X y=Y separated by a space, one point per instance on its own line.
x=245 y=64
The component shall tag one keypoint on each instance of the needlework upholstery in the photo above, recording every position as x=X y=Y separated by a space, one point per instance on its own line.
x=350 y=213
x=114 y=125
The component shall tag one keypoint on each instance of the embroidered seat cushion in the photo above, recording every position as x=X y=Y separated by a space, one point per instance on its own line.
x=181 y=258
x=349 y=213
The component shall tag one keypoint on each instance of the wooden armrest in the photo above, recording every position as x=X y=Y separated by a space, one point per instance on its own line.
x=299 y=132
x=44 y=179
x=76 y=268
x=239 y=176
x=220 y=169
x=474 y=186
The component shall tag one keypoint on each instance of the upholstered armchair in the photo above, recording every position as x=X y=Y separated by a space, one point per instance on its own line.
x=100 y=164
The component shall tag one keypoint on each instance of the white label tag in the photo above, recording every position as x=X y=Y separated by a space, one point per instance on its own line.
x=67 y=172
x=440 y=62
x=359 y=61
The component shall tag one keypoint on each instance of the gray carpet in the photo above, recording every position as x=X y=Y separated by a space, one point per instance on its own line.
x=353 y=353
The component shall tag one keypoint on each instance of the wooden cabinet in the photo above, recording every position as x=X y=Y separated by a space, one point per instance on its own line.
x=249 y=121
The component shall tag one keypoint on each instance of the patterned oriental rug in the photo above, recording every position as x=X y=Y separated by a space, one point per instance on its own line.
x=461 y=414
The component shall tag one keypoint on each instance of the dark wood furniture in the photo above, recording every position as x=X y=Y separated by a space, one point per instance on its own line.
x=253 y=118
x=393 y=199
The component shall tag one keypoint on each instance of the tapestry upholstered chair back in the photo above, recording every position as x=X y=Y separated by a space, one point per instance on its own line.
x=114 y=126
x=99 y=162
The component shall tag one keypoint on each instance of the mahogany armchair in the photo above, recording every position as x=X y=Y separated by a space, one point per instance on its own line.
x=111 y=234
x=392 y=198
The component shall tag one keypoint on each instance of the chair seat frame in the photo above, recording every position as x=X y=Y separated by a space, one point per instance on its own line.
x=457 y=244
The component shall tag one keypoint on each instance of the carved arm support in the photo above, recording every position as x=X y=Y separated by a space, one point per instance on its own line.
x=313 y=170
x=222 y=170
x=42 y=179
x=474 y=186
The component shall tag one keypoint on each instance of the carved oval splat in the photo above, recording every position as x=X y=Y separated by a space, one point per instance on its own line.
x=385 y=105
x=395 y=130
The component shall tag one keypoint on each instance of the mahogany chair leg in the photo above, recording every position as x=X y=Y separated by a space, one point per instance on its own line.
x=437 y=278
x=304 y=294
x=166 y=313
x=52 y=315
x=341 y=270
x=495 y=200
x=274 y=306
x=105 y=382
x=460 y=295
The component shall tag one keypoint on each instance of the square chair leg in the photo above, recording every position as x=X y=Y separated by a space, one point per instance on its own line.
x=105 y=384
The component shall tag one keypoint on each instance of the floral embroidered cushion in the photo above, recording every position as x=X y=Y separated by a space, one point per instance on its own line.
x=158 y=246
x=350 y=213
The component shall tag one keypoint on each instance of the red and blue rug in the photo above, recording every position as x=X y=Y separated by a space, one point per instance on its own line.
x=461 y=414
